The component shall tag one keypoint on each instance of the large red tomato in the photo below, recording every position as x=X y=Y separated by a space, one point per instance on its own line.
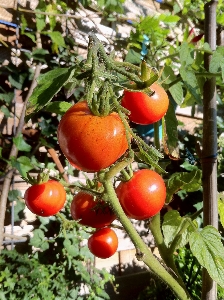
x=90 y=212
x=103 y=243
x=143 y=196
x=146 y=109
x=45 y=199
x=89 y=142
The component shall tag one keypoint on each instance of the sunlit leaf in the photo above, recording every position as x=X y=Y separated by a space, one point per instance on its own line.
x=188 y=181
x=207 y=247
x=172 y=224
x=20 y=143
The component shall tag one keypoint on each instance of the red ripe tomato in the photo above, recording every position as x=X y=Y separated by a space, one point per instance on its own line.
x=143 y=196
x=90 y=212
x=103 y=243
x=45 y=199
x=89 y=142
x=146 y=109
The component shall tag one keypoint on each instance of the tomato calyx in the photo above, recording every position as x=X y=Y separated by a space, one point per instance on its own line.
x=126 y=174
x=41 y=178
x=148 y=76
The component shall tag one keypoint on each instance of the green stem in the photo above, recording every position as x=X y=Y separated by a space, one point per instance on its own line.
x=143 y=252
x=156 y=135
x=198 y=74
x=168 y=56
x=166 y=255
x=158 y=236
x=177 y=54
x=127 y=65
x=196 y=214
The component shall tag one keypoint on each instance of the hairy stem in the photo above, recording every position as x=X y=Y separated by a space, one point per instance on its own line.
x=166 y=255
x=143 y=252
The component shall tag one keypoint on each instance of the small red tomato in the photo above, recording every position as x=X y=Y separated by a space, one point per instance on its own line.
x=146 y=109
x=103 y=243
x=143 y=196
x=91 y=213
x=45 y=199
x=89 y=142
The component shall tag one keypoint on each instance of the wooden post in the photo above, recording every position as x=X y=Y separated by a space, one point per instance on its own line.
x=209 y=143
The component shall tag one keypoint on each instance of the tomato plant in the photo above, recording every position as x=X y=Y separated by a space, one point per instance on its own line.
x=143 y=196
x=92 y=213
x=146 y=109
x=103 y=243
x=45 y=199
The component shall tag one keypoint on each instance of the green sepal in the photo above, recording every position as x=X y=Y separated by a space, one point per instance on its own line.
x=41 y=178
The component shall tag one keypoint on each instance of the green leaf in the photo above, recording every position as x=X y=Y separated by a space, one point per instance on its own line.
x=73 y=293
x=2 y=296
x=24 y=23
x=189 y=100
x=101 y=293
x=58 y=107
x=40 y=54
x=13 y=195
x=222 y=69
x=7 y=97
x=17 y=79
x=187 y=166
x=32 y=36
x=133 y=57
x=221 y=207
x=40 y=21
x=52 y=19
x=207 y=247
x=191 y=83
x=56 y=37
x=49 y=84
x=149 y=24
x=22 y=164
x=169 y=18
x=38 y=240
x=70 y=88
x=21 y=145
x=207 y=47
x=188 y=181
x=175 y=90
x=86 y=276
x=6 y=112
x=18 y=210
x=220 y=19
x=186 y=55
x=72 y=249
x=171 y=122
x=171 y=226
x=216 y=59
x=16 y=196
x=148 y=159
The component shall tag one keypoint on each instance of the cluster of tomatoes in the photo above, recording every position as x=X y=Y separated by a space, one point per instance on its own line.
x=92 y=143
